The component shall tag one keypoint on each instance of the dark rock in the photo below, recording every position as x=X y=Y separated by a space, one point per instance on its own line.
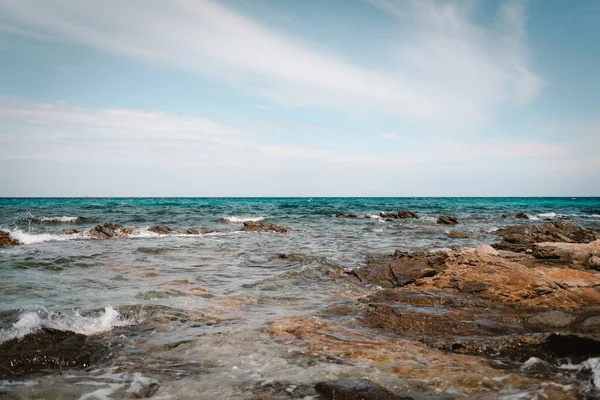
x=340 y=215
x=516 y=216
x=552 y=319
x=192 y=231
x=519 y=238
x=352 y=215
x=257 y=226
x=47 y=349
x=407 y=214
x=386 y=214
x=289 y=256
x=360 y=389
x=447 y=220
x=6 y=240
x=107 y=231
x=459 y=235
x=161 y=229
x=576 y=347
x=71 y=231
x=146 y=391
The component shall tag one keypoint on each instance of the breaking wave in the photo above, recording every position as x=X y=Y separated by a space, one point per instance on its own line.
x=241 y=219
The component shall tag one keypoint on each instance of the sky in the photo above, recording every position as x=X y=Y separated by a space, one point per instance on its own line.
x=299 y=98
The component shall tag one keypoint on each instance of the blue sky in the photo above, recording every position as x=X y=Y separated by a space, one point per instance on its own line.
x=299 y=98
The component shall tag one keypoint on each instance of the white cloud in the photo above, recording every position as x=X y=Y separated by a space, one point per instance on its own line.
x=389 y=136
x=448 y=71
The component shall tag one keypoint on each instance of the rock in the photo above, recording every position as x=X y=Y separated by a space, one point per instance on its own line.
x=360 y=389
x=552 y=319
x=192 y=231
x=352 y=215
x=407 y=214
x=577 y=348
x=107 y=231
x=386 y=214
x=146 y=391
x=459 y=235
x=290 y=256
x=7 y=240
x=582 y=254
x=516 y=216
x=47 y=349
x=519 y=238
x=447 y=220
x=257 y=226
x=71 y=231
x=162 y=230
x=591 y=324
x=340 y=215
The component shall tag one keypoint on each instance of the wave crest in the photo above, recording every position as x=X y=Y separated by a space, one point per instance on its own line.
x=241 y=219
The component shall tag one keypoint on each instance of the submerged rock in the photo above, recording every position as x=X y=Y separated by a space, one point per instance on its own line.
x=519 y=238
x=459 y=235
x=516 y=216
x=71 y=231
x=45 y=350
x=360 y=389
x=386 y=214
x=447 y=220
x=192 y=231
x=7 y=240
x=257 y=226
x=162 y=229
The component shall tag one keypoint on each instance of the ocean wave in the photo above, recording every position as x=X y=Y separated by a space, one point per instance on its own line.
x=32 y=238
x=30 y=322
x=591 y=364
x=239 y=220
x=52 y=219
x=553 y=215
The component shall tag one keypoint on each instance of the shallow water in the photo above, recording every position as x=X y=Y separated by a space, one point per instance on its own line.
x=192 y=312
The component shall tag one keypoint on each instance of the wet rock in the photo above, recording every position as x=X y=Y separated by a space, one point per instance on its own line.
x=352 y=215
x=162 y=230
x=71 y=231
x=591 y=324
x=192 y=231
x=447 y=220
x=257 y=226
x=553 y=319
x=146 y=391
x=360 y=389
x=386 y=214
x=340 y=215
x=577 y=348
x=516 y=216
x=7 y=240
x=290 y=256
x=459 y=235
x=407 y=214
x=107 y=231
x=519 y=238
x=45 y=350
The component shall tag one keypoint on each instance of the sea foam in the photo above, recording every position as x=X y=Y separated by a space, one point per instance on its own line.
x=30 y=322
x=31 y=238
x=241 y=219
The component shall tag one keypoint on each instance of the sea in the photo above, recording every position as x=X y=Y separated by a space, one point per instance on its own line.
x=189 y=315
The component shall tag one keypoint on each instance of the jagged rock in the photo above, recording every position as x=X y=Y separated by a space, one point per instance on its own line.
x=583 y=254
x=71 y=231
x=519 y=238
x=192 y=231
x=360 y=389
x=161 y=229
x=386 y=214
x=107 y=231
x=352 y=215
x=7 y=240
x=459 y=235
x=46 y=349
x=516 y=216
x=447 y=220
x=407 y=214
x=257 y=226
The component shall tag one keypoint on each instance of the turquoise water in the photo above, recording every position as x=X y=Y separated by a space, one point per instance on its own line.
x=128 y=287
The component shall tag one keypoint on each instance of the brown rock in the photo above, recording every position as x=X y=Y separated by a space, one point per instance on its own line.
x=386 y=214
x=71 y=231
x=257 y=226
x=360 y=389
x=107 y=231
x=516 y=216
x=162 y=230
x=520 y=238
x=7 y=240
x=407 y=214
x=582 y=254
x=340 y=215
x=192 y=231
x=447 y=220
x=459 y=235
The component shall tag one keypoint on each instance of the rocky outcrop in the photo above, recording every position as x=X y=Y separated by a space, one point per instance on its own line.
x=47 y=349
x=519 y=238
x=447 y=220
x=407 y=214
x=586 y=255
x=71 y=231
x=162 y=229
x=192 y=231
x=7 y=240
x=360 y=389
x=516 y=216
x=388 y=215
x=257 y=226
x=109 y=231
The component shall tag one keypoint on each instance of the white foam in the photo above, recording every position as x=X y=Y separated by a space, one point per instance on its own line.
x=64 y=218
x=31 y=322
x=592 y=364
x=31 y=238
x=241 y=219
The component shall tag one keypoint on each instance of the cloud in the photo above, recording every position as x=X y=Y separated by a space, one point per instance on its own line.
x=388 y=136
x=446 y=70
